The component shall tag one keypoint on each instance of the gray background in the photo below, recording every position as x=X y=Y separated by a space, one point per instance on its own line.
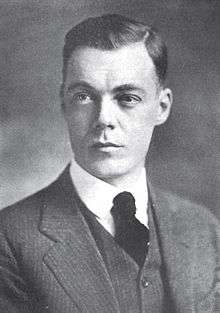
x=34 y=146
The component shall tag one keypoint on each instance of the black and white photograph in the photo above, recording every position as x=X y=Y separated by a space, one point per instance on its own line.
x=109 y=156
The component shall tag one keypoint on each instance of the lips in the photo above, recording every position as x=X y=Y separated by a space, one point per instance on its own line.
x=99 y=145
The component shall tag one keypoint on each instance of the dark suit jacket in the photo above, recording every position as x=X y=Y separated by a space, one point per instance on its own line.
x=49 y=261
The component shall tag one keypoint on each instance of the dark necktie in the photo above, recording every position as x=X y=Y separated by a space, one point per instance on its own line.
x=130 y=234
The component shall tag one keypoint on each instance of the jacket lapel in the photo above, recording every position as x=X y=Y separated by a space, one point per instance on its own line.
x=178 y=252
x=187 y=253
x=74 y=258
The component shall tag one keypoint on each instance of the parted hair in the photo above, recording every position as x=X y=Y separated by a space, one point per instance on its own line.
x=113 y=31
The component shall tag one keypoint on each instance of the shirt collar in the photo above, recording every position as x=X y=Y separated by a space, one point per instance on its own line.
x=98 y=195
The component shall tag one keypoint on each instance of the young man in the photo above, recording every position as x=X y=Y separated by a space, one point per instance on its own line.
x=100 y=238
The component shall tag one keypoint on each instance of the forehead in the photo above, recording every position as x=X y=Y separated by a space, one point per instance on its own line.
x=106 y=69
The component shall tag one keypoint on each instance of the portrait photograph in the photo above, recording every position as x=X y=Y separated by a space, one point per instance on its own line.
x=109 y=156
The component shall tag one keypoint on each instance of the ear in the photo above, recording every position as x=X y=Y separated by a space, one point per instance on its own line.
x=164 y=107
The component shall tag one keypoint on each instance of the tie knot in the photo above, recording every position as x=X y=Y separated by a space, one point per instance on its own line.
x=124 y=205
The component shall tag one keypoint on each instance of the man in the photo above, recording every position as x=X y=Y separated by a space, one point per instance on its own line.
x=100 y=239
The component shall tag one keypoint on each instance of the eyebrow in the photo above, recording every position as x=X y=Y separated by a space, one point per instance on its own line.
x=79 y=84
x=118 y=89
x=126 y=87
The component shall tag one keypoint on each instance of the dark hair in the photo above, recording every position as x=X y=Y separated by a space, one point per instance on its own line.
x=112 y=31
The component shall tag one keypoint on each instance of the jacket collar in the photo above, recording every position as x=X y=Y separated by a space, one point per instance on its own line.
x=74 y=258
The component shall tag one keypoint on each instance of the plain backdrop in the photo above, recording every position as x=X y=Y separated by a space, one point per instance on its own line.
x=34 y=147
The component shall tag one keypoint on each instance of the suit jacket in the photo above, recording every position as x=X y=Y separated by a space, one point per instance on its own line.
x=49 y=261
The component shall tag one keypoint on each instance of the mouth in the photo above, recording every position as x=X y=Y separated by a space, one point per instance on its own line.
x=106 y=146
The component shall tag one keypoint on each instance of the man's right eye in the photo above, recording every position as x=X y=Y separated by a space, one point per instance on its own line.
x=82 y=98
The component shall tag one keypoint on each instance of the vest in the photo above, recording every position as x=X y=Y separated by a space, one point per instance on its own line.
x=138 y=290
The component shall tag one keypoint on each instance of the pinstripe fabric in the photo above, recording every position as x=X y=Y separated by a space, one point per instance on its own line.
x=122 y=269
x=49 y=261
x=126 y=275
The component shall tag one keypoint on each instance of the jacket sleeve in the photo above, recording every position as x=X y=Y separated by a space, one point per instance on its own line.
x=14 y=296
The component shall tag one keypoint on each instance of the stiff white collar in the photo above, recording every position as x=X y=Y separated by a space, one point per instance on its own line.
x=98 y=195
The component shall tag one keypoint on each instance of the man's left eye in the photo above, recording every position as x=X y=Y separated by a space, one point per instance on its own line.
x=129 y=100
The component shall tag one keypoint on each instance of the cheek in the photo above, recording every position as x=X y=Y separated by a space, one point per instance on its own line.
x=143 y=121
x=78 y=128
x=78 y=122
x=140 y=143
x=141 y=136
x=150 y=116
x=141 y=129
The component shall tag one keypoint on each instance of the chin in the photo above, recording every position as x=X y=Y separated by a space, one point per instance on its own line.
x=108 y=170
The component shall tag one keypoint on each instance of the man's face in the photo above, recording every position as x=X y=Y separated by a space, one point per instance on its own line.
x=112 y=102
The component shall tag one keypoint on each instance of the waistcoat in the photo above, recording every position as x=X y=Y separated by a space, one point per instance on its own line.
x=138 y=290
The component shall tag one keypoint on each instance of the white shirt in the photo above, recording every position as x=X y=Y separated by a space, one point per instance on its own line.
x=98 y=195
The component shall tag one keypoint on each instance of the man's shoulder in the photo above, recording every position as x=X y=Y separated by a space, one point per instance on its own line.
x=27 y=211
x=185 y=210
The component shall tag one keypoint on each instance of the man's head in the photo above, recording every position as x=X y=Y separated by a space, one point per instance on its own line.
x=112 y=93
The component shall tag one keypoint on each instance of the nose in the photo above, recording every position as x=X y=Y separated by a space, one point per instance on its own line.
x=106 y=117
